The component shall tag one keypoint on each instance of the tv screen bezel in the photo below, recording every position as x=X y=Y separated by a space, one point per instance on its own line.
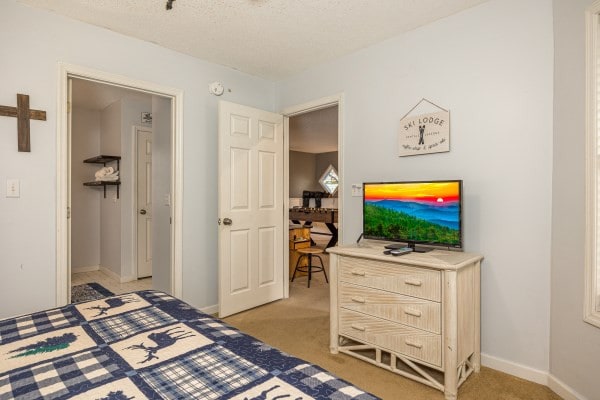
x=458 y=246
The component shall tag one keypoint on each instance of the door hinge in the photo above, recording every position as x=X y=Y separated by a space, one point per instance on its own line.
x=68 y=212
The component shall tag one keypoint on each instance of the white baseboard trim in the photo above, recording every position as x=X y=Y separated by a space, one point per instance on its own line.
x=518 y=370
x=126 y=279
x=561 y=389
x=531 y=374
x=117 y=277
x=112 y=274
x=210 y=309
x=76 y=270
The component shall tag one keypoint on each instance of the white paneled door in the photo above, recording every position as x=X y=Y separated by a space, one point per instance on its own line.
x=250 y=207
x=144 y=203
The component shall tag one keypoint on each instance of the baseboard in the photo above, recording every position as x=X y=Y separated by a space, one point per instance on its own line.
x=518 y=370
x=126 y=279
x=561 y=389
x=77 y=270
x=211 y=310
x=531 y=374
x=117 y=277
x=110 y=273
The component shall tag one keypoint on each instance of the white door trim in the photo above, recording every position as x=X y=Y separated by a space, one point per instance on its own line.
x=591 y=314
x=66 y=71
x=314 y=105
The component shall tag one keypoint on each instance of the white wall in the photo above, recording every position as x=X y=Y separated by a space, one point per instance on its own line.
x=492 y=67
x=574 y=344
x=110 y=206
x=40 y=40
x=85 y=201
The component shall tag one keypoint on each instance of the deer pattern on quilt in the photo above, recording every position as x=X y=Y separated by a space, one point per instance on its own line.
x=264 y=395
x=162 y=340
x=113 y=302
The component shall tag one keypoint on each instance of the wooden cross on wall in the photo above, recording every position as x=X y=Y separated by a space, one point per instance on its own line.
x=23 y=115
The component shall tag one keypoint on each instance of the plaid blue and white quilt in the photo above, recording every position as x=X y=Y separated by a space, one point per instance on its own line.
x=149 y=345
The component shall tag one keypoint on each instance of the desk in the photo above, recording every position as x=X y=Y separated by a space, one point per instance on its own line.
x=329 y=216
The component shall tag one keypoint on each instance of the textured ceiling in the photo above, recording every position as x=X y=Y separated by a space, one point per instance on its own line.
x=315 y=132
x=273 y=39
x=98 y=96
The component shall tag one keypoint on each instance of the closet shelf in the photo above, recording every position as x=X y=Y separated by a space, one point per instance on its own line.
x=102 y=183
x=104 y=159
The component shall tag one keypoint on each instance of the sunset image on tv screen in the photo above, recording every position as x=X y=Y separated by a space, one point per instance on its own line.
x=425 y=212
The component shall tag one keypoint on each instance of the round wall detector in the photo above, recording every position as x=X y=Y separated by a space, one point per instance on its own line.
x=216 y=88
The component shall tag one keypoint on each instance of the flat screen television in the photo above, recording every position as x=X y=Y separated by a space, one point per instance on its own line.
x=425 y=212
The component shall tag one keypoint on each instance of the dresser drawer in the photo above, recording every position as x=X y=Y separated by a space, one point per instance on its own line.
x=393 y=277
x=414 y=343
x=411 y=311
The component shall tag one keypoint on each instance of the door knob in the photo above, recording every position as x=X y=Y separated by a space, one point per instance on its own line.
x=143 y=212
x=227 y=221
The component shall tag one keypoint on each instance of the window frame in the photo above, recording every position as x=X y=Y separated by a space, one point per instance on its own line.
x=322 y=179
x=591 y=313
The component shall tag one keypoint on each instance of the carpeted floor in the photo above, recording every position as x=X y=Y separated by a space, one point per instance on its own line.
x=300 y=326
x=89 y=291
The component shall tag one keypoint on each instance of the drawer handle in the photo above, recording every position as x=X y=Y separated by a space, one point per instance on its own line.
x=414 y=313
x=413 y=282
x=358 y=327
x=358 y=273
x=357 y=299
x=413 y=344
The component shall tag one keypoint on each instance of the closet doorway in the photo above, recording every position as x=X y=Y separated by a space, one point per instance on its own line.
x=122 y=205
x=111 y=169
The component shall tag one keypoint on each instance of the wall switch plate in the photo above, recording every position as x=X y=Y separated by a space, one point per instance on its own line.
x=357 y=190
x=13 y=188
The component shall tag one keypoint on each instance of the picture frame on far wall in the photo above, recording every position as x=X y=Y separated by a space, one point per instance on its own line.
x=146 y=118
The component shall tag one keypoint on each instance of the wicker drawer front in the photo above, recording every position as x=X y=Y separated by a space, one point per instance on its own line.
x=414 y=343
x=412 y=311
x=393 y=277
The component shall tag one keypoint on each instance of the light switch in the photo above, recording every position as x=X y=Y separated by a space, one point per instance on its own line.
x=13 y=188
x=357 y=190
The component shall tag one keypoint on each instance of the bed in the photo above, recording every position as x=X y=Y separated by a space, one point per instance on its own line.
x=148 y=344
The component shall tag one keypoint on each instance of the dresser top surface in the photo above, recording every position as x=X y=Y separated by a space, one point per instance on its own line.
x=438 y=259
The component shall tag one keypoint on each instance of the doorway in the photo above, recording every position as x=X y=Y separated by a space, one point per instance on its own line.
x=118 y=199
x=313 y=133
x=103 y=186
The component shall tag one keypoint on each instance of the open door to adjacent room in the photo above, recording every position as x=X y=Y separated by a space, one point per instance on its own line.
x=251 y=210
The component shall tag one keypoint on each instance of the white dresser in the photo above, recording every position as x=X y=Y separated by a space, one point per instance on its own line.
x=417 y=315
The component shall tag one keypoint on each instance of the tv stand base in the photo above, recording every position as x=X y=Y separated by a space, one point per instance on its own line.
x=395 y=246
